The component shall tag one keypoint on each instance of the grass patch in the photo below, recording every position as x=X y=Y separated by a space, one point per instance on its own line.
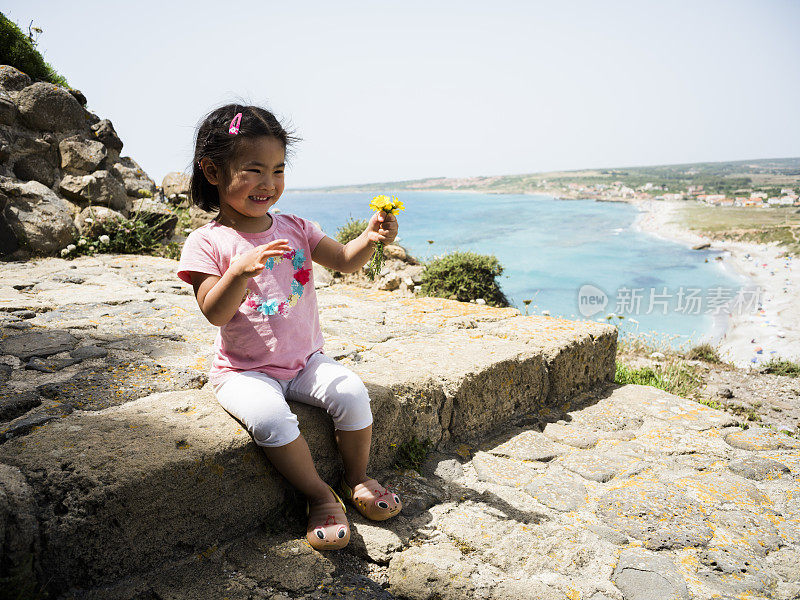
x=19 y=51
x=761 y=225
x=412 y=453
x=777 y=366
x=674 y=377
x=705 y=352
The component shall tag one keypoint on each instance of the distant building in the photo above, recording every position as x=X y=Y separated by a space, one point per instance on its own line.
x=783 y=201
x=712 y=198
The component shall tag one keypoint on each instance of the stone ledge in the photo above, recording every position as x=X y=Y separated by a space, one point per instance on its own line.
x=121 y=490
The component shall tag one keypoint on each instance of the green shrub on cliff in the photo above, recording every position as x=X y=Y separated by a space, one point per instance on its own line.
x=351 y=230
x=19 y=51
x=464 y=276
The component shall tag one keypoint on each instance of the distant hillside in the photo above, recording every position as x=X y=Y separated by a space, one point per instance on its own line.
x=715 y=177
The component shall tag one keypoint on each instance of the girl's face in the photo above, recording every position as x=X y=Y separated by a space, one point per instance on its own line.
x=256 y=184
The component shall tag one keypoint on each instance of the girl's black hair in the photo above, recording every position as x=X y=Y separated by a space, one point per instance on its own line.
x=213 y=141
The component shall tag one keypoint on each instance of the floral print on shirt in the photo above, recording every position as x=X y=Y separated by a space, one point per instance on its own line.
x=301 y=277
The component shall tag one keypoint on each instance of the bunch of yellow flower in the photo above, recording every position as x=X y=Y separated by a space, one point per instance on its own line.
x=389 y=205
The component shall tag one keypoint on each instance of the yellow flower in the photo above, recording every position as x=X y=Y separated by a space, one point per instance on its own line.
x=389 y=204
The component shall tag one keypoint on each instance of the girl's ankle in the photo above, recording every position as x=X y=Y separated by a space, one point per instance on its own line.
x=322 y=496
x=355 y=481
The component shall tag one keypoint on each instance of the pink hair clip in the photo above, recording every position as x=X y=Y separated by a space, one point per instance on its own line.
x=234 y=128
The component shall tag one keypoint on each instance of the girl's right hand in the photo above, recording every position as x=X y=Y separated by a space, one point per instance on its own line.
x=253 y=262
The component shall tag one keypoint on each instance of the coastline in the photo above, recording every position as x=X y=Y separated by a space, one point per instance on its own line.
x=771 y=327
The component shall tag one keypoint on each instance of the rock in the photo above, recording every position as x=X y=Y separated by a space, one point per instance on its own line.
x=78 y=95
x=658 y=515
x=135 y=179
x=49 y=107
x=530 y=445
x=322 y=277
x=88 y=352
x=175 y=183
x=596 y=466
x=505 y=471
x=725 y=393
x=99 y=188
x=80 y=156
x=36 y=167
x=8 y=111
x=5 y=373
x=395 y=251
x=50 y=365
x=389 y=282
x=13 y=79
x=198 y=217
x=571 y=435
x=289 y=564
x=155 y=214
x=438 y=466
x=39 y=220
x=378 y=542
x=19 y=533
x=558 y=491
x=644 y=575
x=758 y=468
x=760 y=438
x=703 y=246
x=16 y=404
x=41 y=344
x=104 y=131
x=437 y=572
x=35 y=418
x=417 y=493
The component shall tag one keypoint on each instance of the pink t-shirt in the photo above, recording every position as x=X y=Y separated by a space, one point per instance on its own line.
x=276 y=327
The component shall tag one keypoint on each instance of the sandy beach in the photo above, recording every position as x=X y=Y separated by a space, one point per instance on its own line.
x=771 y=328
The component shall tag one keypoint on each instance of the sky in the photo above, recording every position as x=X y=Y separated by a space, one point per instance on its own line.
x=389 y=91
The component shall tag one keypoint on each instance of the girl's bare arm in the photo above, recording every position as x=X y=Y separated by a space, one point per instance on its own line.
x=350 y=257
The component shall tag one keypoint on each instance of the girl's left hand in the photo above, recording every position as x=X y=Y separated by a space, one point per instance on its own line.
x=382 y=227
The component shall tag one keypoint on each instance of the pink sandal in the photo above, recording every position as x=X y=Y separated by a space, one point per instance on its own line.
x=327 y=527
x=372 y=500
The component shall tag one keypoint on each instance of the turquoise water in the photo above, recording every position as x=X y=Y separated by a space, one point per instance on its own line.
x=551 y=248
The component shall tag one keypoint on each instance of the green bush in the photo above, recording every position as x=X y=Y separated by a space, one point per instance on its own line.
x=19 y=51
x=464 y=276
x=351 y=230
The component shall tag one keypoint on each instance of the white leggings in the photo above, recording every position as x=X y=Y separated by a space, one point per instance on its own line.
x=258 y=401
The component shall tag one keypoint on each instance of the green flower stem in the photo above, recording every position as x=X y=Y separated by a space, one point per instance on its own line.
x=376 y=262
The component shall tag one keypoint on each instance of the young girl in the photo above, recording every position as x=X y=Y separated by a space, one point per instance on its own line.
x=252 y=277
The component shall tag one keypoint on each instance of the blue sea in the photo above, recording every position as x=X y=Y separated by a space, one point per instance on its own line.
x=577 y=259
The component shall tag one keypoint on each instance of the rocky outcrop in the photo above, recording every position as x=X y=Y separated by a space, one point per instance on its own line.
x=58 y=159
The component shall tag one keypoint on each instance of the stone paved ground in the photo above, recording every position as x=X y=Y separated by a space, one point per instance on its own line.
x=636 y=495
